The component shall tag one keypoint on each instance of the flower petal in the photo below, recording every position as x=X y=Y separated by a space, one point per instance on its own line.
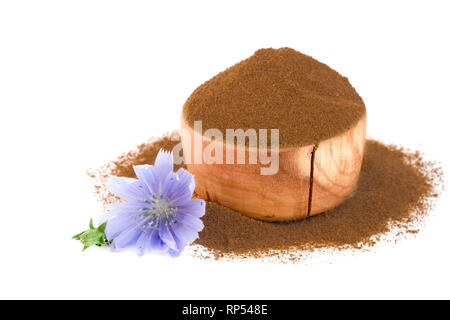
x=195 y=207
x=186 y=178
x=181 y=196
x=156 y=242
x=180 y=245
x=166 y=236
x=118 y=224
x=143 y=242
x=183 y=188
x=163 y=165
x=184 y=233
x=127 y=237
x=174 y=253
x=118 y=208
x=192 y=221
x=127 y=188
x=170 y=185
x=146 y=173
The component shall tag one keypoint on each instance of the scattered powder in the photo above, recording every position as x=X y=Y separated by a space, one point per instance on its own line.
x=395 y=193
x=145 y=153
x=278 y=89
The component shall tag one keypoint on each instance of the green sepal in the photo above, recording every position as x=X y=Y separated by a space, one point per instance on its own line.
x=93 y=236
x=101 y=228
x=78 y=236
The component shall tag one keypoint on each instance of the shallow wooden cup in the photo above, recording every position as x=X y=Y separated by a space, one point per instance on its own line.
x=310 y=180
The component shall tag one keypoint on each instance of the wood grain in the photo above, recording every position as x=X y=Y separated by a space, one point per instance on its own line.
x=337 y=164
x=286 y=194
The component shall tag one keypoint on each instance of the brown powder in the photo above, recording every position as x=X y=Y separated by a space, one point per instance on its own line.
x=278 y=89
x=395 y=193
x=145 y=153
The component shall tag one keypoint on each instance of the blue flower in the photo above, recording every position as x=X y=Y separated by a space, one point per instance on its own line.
x=159 y=212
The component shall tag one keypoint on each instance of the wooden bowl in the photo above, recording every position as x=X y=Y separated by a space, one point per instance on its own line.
x=310 y=180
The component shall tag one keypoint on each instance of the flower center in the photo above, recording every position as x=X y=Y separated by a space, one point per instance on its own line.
x=159 y=209
x=162 y=207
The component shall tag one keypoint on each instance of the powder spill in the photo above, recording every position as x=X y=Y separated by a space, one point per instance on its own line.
x=278 y=89
x=395 y=193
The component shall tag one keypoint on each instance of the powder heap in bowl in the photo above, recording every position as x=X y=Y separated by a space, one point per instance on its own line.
x=278 y=89
x=321 y=124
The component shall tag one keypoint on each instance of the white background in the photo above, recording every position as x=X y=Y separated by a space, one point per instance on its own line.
x=83 y=81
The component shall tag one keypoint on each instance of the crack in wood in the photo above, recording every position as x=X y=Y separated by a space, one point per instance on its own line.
x=311 y=178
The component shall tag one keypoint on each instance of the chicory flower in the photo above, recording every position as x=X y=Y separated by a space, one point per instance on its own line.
x=159 y=212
